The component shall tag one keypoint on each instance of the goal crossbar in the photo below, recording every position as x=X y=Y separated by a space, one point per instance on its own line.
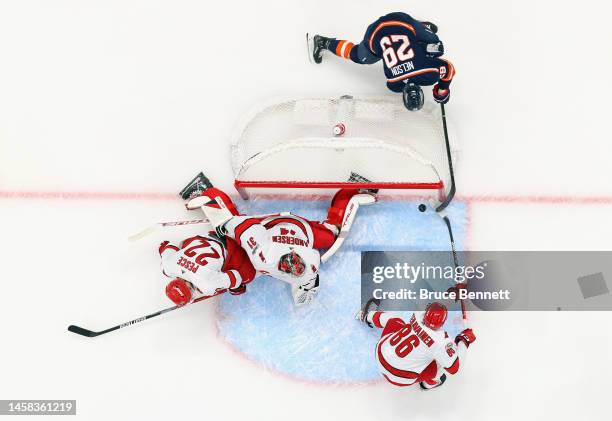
x=241 y=185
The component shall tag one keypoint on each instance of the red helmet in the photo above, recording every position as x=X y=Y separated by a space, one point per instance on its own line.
x=292 y=264
x=435 y=316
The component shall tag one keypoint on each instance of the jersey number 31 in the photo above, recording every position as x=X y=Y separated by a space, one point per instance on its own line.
x=393 y=55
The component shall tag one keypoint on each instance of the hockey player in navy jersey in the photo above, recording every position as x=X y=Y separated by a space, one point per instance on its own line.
x=411 y=52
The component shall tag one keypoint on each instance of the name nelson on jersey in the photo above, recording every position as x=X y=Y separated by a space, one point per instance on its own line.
x=402 y=68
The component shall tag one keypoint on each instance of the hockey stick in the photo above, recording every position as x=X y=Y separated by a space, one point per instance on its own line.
x=455 y=258
x=449 y=198
x=155 y=227
x=449 y=157
x=90 y=333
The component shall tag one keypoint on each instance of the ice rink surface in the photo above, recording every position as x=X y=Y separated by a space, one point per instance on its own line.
x=322 y=343
x=107 y=108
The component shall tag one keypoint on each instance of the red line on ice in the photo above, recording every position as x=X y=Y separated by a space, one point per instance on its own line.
x=85 y=195
x=153 y=196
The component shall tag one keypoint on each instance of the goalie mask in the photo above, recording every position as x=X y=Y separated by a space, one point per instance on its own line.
x=413 y=97
x=292 y=264
x=435 y=316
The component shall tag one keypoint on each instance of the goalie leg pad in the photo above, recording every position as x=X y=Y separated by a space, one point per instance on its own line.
x=216 y=205
x=340 y=202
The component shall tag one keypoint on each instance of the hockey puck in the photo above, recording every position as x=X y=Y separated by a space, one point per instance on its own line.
x=339 y=129
x=422 y=207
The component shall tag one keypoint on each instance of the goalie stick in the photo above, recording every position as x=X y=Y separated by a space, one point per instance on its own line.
x=155 y=227
x=198 y=184
x=91 y=334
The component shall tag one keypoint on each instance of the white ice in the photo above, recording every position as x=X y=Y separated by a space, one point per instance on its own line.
x=103 y=99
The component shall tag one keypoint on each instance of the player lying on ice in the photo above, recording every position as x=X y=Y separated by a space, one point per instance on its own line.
x=411 y=52
x=416 y=349
x=283 y=246
x=203 y=266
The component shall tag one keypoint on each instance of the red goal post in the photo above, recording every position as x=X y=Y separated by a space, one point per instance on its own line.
x=291 y=144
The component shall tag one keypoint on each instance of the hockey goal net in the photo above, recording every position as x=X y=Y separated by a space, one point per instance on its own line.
x=296 y=144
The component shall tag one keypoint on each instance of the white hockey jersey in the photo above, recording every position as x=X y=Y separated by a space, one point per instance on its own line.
x=266 y=239
x=207 y=263
x=410 y=352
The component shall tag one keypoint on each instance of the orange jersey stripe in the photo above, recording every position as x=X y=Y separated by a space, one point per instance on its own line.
x=339 y=48
x=451 y=71
x=390 y=23
x=411 y=74
x=347 y=49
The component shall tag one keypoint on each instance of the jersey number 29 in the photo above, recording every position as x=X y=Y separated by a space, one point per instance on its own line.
x=393 y=55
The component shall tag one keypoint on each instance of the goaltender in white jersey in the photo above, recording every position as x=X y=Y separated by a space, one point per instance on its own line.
x=416 y=349
x=283 y=246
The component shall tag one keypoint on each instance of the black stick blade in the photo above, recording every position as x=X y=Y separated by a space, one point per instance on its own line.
x=80 y=331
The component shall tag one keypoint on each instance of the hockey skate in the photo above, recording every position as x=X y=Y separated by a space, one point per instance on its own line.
x=356 y=178
x=238 y=290
x=316 y=45
x=195 y=187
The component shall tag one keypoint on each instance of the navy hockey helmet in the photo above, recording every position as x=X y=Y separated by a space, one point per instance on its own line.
x=413 y=97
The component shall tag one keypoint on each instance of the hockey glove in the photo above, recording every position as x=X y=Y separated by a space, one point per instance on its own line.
x=221 y=231
x=434 y=49
x=372 y=305
x=304 y=294
x=441 y=95
x=455 y=289
x=467 y=337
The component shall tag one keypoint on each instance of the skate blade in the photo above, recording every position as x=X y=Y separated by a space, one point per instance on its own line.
x=310 y=48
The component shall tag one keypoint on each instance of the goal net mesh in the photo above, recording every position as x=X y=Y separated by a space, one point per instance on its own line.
x=291 y=143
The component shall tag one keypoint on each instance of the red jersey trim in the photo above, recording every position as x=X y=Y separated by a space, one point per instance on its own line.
x=297 y=222
x=404 y=374
x=454 y=367
x=376 y=319
x=233 y=281
x=243 y=226
x=167 y=247
x=396 y=383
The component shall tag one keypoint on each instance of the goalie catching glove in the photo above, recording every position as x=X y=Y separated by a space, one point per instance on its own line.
x=305 y=293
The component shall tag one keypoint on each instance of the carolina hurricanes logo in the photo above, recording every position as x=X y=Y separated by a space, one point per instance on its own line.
x=285 y=231
x=442 y=72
